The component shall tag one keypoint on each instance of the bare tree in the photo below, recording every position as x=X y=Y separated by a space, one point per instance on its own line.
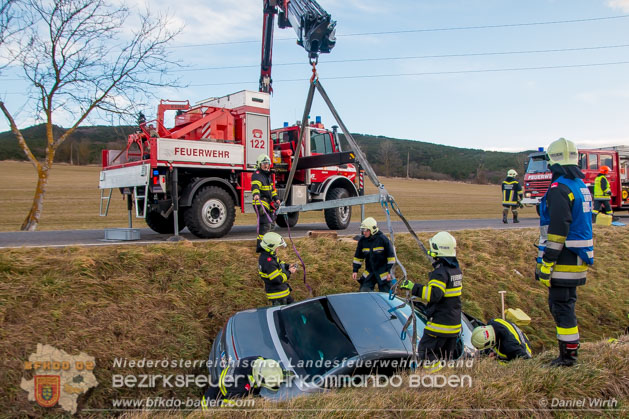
x=84 y=57
x=390 y=157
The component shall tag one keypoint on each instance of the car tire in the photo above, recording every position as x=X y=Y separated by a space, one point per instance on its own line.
x=211 y=214
x=293 y=217
x=338 y=218
x=162 y=225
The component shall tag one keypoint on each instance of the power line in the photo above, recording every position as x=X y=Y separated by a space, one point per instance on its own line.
x=472 y=54
x=452 y=28
x=429 y=73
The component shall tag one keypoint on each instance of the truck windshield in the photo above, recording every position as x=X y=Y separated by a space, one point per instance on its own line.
x=320 y=143
x=537 y=165
x=313 y=337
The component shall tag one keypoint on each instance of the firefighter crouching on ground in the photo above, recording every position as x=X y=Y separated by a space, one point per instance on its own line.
x=565 y=246
x=244 y=377
x=273 y=271
x=602 y=193
x=264 y=195
x=443 y=294
x=504 y=338
x=511 y=196
x=376 y=251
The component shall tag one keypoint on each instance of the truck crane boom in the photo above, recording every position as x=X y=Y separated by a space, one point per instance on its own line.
x=314 y=27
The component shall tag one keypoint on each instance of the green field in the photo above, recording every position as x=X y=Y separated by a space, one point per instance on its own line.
x=72 y=200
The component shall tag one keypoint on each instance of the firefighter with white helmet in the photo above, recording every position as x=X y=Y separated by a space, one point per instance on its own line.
x=246 y=376
x=273 y=271
x=264 y=196
x=443 y=294
x=566 y=248
x=375 y=250
x=503 y=338
x=511 y=196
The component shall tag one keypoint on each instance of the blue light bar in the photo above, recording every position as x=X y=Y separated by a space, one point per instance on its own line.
x=285 y=124
x=540 y=148
x=318 y=119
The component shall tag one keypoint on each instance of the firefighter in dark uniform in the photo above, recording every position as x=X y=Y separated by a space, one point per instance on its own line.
x=566 y=248
x=247 y=376
x=264 y=196
x=443 y=294
x=602 y=193
x=511 y=196
x=504 y=338
x=273 y=271
x=376 y=251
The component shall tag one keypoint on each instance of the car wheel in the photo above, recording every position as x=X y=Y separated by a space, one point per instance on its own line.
x=162 y=225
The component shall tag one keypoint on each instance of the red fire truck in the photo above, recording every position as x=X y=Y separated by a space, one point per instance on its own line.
x=537 y=176
x=205 y=162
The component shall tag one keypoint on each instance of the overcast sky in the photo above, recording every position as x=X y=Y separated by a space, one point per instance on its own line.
x=476 y=79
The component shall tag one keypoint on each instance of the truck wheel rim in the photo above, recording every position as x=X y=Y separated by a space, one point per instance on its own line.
x=214 y=213
x=344 y=213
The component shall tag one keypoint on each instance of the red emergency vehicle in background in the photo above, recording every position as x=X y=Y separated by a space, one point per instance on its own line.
x=537 y=176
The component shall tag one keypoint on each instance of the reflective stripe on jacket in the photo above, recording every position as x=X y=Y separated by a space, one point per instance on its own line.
x=275 y=274
x=511 y=192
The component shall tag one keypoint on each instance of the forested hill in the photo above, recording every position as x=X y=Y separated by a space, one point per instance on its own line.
x=389 y=156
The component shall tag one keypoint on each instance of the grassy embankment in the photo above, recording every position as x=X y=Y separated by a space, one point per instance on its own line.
x=72 y=200
x=168 y=301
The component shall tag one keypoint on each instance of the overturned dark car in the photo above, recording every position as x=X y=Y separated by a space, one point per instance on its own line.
x=321 y=338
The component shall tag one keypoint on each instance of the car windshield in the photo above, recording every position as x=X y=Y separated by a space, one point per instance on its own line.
x=537 y=165
x=313 y=337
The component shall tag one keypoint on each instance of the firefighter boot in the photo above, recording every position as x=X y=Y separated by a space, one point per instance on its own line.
x=515 y=217
x=504 y=215
x=568 y=354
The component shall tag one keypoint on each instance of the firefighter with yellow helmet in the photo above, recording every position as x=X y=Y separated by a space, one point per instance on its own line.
x=273 y=271
x=503 y=338
x=443 y=294
x=264 y=195
x=511 y=196
x=375 y=251
x=566 y=248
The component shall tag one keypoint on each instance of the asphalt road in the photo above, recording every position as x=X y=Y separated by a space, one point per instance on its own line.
x=147 y=236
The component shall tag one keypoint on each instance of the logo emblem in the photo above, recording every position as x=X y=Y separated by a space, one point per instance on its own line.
x=47 y=390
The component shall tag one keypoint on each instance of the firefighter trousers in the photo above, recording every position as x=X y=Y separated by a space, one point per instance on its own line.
x=562 y=302
x=432 y=347
x=369 y=284
x=282 y=301
x=605 y=204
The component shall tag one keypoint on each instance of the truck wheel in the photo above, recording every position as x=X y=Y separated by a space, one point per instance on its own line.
x=338 y=218
x=212 y=213
x=293 y=217
x=162 y=225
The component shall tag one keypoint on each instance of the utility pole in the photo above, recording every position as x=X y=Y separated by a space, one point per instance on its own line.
x=70 y=153
x=408 y=166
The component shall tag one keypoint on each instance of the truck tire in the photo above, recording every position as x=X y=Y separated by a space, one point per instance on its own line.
x=212 y=213
x=162 y=225
x=338 y=218
x=293 y=217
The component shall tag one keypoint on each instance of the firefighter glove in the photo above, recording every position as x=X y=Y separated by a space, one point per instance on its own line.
x=256 y=197
x=545 y=270
x=407 y=285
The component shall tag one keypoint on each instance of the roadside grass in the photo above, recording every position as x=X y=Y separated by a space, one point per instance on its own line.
x=73 y=198
x=168 y=301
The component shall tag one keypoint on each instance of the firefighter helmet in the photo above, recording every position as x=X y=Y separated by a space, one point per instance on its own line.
x=563 y=152
x=370 y=224
x=271 y=241
x=267 y=373
x=442 y=244
x=604 y=170
x=262 y=159
x=512 y=173
x=484 y=337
